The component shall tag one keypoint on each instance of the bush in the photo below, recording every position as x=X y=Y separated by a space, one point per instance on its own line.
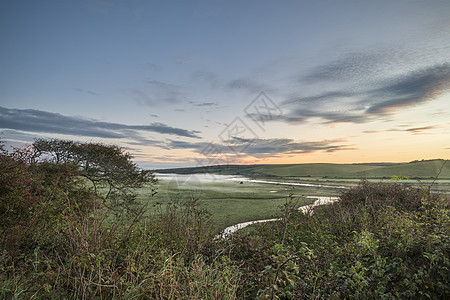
x=379 y=241
x=64 y=237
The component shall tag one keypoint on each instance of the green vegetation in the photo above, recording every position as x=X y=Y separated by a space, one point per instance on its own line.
x=417 y=170
x=231 y=202
x=73 y=228
x=379 y=242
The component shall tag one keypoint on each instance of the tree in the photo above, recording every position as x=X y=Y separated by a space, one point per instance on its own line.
x=108 y=167
x=35 y=197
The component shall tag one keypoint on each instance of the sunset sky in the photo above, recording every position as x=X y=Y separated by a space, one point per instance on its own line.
x=188 y=83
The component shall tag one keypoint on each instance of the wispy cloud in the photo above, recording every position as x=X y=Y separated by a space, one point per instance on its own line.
x=349 y=67
x=413 y=130
x=86 y=91
x=417 y=130
x=156 y=93
x=261 y=147
x=245 y=84
x=153 y=67
x=422 y=130
x=30 y=120
x=376 y=99
x=323 y=98
x=185 y=58
x=166 y=92
x=409 y=90
x=257 y=147
x=202 y=104
x=209 y=78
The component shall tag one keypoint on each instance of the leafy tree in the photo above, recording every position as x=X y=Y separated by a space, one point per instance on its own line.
x=35 y=197
x=108 y=167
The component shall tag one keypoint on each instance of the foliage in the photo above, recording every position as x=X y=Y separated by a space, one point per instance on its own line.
x=58 y=239
x=379 y=241
x=34 y=197
x=108 y=168
x=61 y=237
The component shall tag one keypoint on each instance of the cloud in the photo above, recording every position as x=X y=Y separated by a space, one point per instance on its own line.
x=260 y=147
x=371 y=131
x=187 y=145
x=245 y=84
x=153 y=67
x=202 y=104
x=417 y=130
x=166 y=92
x=86 y=91
x=414 y=130
x=321 y=98
x=159 y=93
x=256 y=147
x=364 y=66
x=302 y=114
x=185 y=58
x=210 y=78
x=30 y=120
x=348 y=67
x=409 y=90
x=375 y=100
x=420 y=130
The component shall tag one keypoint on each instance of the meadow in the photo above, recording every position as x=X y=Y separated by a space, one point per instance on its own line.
x=230 y=202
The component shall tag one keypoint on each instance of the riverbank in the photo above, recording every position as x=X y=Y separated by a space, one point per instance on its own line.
x=233 y=199
x=306 y=209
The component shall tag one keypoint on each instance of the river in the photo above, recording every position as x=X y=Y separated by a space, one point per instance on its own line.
x=212 y=178
x=199 y=179
x=306 y=209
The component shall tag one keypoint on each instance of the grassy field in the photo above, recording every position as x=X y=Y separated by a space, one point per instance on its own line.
x=417 y=170
x=230 y=202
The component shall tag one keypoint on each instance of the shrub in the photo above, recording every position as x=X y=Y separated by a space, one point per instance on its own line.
x=379 y=241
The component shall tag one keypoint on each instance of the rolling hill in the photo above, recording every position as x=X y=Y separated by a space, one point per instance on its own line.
x=424 y=169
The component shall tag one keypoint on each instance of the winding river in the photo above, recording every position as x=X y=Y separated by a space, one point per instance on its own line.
x=197 y=179
x=306 y=209
x=211 y=178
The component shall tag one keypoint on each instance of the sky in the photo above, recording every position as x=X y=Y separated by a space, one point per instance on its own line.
x=190 y=83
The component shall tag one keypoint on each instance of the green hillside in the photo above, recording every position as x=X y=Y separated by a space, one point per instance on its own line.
x=417 y=169
x=316 y=170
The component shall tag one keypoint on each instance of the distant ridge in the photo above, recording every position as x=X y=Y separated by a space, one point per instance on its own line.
x=425 y=169
x=381 y=164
